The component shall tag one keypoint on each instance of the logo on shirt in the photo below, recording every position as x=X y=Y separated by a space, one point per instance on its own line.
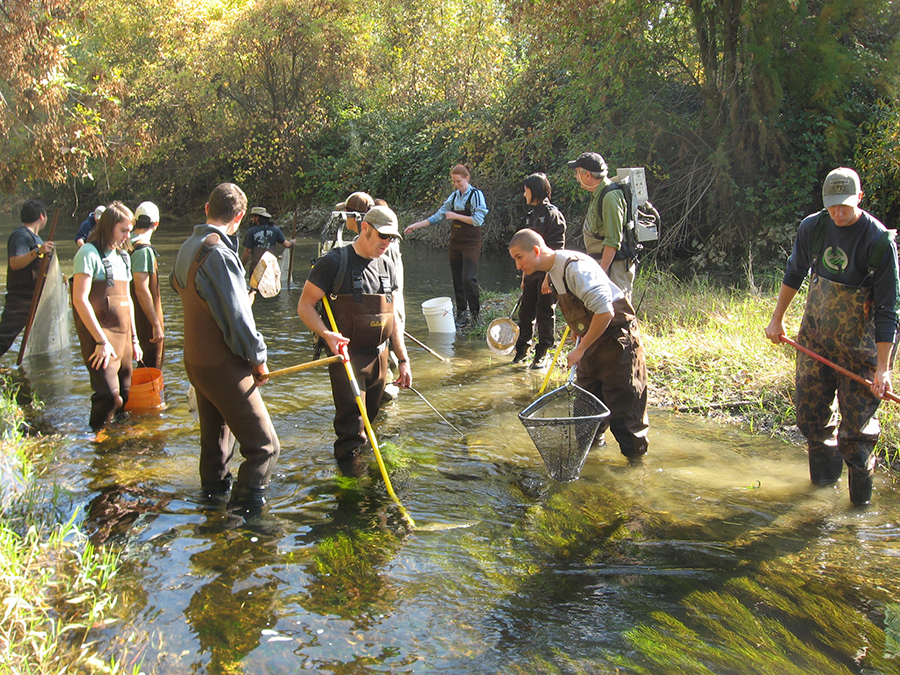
x=835 y=260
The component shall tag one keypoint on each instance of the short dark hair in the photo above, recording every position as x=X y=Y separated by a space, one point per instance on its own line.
x=226 y=201
x=539 y=186
x=102 y=234
x=31 y=211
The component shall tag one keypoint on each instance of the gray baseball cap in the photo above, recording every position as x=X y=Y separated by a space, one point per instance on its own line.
x=841 y=186
x=384 y=220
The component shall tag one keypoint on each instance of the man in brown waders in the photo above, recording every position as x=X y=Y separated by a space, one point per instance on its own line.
x=224 y=355
x=360 y=281
x=609 y=355
x=850 y=319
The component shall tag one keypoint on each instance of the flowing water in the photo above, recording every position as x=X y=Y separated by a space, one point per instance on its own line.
x=714 y=555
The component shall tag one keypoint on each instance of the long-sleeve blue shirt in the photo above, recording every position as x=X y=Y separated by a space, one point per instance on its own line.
x=220 y=282
x=456 y=202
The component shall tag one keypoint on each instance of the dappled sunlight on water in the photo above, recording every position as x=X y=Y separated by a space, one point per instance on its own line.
x=661 y=566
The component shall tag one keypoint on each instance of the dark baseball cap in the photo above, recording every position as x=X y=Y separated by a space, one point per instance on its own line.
x=589 y=161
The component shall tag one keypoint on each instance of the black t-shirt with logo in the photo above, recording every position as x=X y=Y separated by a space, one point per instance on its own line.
x=844 y=258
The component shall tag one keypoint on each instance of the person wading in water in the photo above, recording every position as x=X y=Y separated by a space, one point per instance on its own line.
x=104 y=313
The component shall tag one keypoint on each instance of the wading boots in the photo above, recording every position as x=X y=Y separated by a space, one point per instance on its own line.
x=541 y=358
x=521 y=353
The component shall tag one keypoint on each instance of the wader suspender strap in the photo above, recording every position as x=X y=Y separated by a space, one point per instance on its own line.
x=565 y=283
x=107 y=266
x=144 y=244
x=357 y=278
x=818 y=246
x=467 y=209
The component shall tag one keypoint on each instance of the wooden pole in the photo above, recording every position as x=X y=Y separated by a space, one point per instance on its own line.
x=305 y=366
x=291 y=252
x=889 y=395
x=38 y=290
x=427 y=348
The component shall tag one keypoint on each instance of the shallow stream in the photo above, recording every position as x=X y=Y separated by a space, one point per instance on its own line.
x=714 y=555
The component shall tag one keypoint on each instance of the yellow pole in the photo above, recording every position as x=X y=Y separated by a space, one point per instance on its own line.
x=553 y=362
x=362 y=411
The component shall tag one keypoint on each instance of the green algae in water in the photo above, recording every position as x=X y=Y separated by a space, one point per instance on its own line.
x=783 y=624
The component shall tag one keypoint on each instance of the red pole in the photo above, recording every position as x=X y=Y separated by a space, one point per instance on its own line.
x=889 y=395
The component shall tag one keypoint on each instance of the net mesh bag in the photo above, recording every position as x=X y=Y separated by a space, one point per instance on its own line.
x=502 y=335
x=50 y=328
x=562 y=424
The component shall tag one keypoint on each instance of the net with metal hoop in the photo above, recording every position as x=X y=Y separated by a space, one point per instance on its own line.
x=562 y=425
x=502 y=335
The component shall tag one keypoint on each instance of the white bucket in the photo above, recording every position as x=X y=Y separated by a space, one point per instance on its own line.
x=439 y=315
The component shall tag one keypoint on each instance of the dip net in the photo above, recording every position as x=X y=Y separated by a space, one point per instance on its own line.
x=502 y=335
x=562 y=424
x=50 y=329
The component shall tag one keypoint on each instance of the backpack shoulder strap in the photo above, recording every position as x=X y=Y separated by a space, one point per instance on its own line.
x=342 y=270
x=818 y=237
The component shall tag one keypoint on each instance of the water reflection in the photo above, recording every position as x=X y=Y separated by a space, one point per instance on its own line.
x=715 y=547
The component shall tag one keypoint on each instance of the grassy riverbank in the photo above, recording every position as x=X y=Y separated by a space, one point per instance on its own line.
x=707 y=354
x=54 y=586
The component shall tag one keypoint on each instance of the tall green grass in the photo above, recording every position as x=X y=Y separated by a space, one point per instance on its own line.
x=56 y=589
x=707 y=353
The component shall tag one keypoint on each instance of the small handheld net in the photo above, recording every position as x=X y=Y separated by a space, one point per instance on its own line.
x=266 y=276
x=562 y=425
x=503 y=333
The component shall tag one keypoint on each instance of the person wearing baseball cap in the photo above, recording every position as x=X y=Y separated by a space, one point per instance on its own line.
x=87 y=226
x=148 y=314
x=604 y=222
x=850 y=319
x=360 y=281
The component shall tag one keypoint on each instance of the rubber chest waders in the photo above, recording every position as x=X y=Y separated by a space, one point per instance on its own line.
x=228 y=400
x=110 y=301
x=837 y=324
x=153 y=351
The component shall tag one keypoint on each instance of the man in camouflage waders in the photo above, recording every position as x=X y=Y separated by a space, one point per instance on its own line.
x=851 y=319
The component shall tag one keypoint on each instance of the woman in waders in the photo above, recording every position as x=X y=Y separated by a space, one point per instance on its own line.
x=104 y=314
x=466 y=209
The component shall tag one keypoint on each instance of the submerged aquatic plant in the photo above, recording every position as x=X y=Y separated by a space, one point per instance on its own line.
x=784 y=625
x=348 y=578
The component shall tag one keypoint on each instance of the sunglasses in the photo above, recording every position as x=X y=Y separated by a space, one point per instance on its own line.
x=384 y=237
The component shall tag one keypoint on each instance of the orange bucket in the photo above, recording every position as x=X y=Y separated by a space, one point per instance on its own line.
x=146 y=389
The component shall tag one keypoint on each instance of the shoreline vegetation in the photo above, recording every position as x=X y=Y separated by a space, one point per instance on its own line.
x=706 y=354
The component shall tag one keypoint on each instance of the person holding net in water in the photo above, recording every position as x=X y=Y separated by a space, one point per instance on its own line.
x=609 y=356
x=360 y=280
x=25 y=249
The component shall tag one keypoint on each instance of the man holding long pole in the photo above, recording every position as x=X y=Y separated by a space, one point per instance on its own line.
x=360 y=281
x=25 y=249
x=850 y=318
